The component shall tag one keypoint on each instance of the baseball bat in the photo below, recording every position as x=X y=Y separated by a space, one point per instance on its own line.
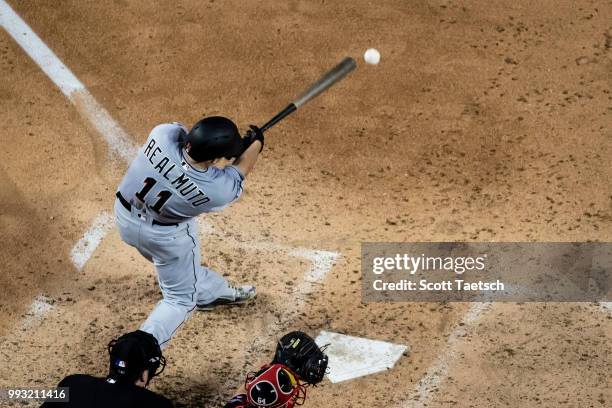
x=332 y=76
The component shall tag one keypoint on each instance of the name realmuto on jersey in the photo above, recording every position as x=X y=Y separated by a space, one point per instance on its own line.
x=183 y=184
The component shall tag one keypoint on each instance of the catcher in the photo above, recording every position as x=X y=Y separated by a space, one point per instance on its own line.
x=298 y=363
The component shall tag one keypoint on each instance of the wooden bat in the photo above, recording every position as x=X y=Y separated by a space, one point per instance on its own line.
x=332 y=76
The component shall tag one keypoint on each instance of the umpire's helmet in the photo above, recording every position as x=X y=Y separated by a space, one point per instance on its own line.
x=133 y=353
x=212 y=138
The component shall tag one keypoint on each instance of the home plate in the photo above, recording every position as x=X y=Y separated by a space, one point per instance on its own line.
x=351 y=357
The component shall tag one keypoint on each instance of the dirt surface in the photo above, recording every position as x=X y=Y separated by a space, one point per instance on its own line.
x=485 y=121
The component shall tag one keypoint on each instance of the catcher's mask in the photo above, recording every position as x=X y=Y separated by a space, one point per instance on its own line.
x=133 y=353
x=274 y=386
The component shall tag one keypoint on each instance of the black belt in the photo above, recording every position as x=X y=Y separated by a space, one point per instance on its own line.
x=128 y=207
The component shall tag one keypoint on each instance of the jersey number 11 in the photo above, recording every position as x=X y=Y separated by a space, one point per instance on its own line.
x=163 y=195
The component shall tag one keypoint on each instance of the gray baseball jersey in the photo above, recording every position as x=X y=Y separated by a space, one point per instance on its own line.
x=161 y=180
x=161 y=185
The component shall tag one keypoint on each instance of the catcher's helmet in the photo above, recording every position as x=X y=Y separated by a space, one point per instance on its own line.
x=212 y=138
x=300 y=353
x=133 y=353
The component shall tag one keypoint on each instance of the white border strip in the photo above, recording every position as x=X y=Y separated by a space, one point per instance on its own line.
x=118 y=140
x=85 y=247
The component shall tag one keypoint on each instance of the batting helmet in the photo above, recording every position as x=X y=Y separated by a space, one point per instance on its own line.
x=212 y=138
x=133 y=353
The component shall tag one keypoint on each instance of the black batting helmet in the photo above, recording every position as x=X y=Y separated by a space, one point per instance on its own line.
x=212 y=138
x=133 y=353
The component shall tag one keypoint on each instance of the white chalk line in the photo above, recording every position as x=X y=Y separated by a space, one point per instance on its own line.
x=86 y=246
x=321 y=262
x=118 y=140
x=120 y=143
x=605 y=307
x=41 y=306
x=438 y=371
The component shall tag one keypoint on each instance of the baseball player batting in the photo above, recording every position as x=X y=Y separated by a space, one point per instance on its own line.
x=173 y=179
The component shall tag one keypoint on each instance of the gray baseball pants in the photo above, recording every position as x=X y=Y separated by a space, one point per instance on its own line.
x=175 y=252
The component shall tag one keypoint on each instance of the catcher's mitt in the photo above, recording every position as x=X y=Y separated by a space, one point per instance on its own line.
x=300 y=353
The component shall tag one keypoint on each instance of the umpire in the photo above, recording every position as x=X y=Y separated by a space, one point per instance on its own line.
x=135 y=358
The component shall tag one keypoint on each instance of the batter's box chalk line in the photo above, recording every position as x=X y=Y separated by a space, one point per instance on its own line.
x=86 y=246
x=122 y=145
x=40 y=307
x=321 y=261
x=438 y=371
x=119 y=142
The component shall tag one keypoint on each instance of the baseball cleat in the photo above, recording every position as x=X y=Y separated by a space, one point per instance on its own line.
x=240 y=295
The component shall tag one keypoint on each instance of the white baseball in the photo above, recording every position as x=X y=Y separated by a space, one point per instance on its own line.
x=371 y=56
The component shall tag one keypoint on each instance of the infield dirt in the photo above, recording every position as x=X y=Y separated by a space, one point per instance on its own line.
x=484 y=121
